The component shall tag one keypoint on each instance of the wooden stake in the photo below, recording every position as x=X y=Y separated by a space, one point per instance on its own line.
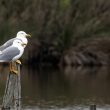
x=12 y=96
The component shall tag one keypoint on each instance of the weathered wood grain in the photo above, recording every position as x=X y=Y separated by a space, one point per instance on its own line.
x=12 y=95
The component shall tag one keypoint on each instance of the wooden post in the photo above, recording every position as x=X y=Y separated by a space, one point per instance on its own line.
x=92 y=107
x=12 y=96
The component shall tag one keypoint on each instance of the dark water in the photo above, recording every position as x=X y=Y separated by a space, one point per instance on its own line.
x=66 y=89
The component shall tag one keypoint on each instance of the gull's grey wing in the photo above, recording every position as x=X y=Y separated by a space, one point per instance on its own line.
x=7 y=44
x=9 y=53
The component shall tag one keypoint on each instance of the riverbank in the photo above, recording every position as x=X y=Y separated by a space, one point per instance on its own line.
x=88 y=52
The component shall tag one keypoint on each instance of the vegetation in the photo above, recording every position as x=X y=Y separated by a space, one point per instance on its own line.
x=56 y=25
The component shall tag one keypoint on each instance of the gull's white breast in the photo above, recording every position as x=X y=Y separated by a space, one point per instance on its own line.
x=19 y=55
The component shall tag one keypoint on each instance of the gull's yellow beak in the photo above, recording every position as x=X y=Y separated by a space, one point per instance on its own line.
x=23 y=44
x=28 y=35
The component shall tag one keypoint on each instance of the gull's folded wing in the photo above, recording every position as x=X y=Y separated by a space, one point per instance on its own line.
x=9 y=53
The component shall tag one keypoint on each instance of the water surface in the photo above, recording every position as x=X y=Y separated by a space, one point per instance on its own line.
x=76 y=88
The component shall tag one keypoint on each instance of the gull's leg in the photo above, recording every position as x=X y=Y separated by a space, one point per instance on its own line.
x=12 y=68
x=18 y=61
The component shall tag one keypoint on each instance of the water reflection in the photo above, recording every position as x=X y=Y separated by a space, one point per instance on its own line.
x=68 y=89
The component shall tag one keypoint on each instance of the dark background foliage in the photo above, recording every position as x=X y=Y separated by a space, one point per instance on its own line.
x=58 y=27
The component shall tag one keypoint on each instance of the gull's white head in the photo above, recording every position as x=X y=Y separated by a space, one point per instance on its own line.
x=19 y=43
x=23 y=36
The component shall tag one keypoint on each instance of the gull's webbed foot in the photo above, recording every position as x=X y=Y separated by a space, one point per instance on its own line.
x=18 y=61
x=13 y=69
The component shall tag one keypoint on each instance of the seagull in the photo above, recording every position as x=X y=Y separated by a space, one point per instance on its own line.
x=20 y=35
x=13 y=49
